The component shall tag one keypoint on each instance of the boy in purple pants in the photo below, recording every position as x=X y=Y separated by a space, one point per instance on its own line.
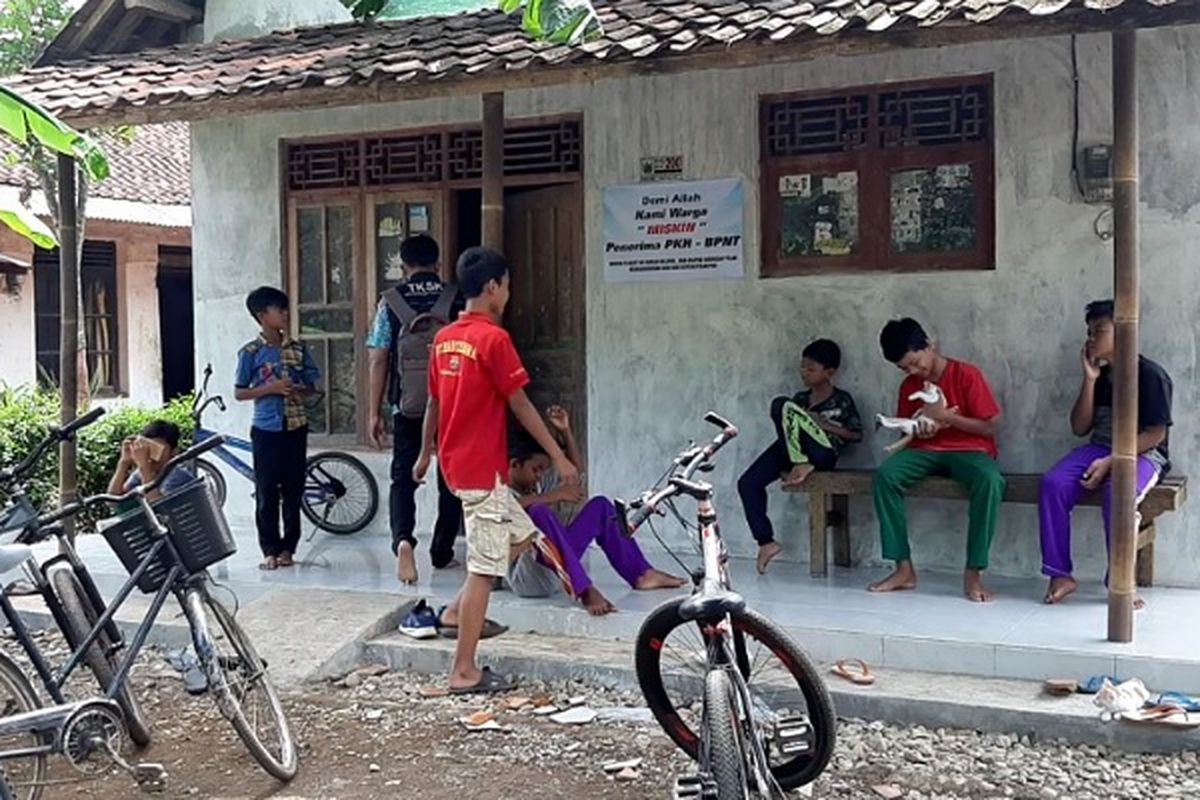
x=556 y=559
x=1088 y=467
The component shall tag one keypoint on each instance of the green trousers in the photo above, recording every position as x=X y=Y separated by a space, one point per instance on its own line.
x=978 y=472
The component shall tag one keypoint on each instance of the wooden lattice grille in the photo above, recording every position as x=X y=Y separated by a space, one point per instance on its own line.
x=404 y=159
x=324 y=165
x=811 y=126
x=935 y=116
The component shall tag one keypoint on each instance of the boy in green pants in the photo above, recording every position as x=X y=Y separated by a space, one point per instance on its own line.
x=956 y=439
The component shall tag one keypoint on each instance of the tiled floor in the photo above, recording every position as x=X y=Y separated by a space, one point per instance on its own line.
x=932 y=629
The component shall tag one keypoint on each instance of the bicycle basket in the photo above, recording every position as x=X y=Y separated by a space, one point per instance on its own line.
x=195 y=525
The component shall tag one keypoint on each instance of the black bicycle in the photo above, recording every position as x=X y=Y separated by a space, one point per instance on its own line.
x=767 y=723
x=167 y=546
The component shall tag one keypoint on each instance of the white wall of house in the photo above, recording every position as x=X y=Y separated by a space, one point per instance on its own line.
x=235 y=19
x=17 y=355
x=733 y=345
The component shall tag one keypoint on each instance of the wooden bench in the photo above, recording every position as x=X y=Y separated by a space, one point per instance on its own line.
x=829 y=496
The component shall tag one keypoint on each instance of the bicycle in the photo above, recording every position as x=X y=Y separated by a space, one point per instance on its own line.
x=754 y=739
x=167 y=547
x=340 y=493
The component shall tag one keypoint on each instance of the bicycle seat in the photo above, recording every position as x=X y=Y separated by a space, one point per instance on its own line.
x=13 y=556
x=711 y=606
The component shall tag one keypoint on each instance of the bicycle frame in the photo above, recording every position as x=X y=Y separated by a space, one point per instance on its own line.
x=224 y=453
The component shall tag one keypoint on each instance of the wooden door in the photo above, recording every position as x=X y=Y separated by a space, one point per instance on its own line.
x=543 y=238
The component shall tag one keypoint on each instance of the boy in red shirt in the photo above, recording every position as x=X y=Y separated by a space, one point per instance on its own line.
x=957 y=441
x=475 y=379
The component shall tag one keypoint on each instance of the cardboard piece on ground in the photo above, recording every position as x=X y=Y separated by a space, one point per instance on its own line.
x=580 y=715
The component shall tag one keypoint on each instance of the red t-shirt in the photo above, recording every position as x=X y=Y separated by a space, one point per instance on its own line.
x=964 y=386
x=473 y=372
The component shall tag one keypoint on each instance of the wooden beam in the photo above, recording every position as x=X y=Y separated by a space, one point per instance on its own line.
x=94 y=22
x=68 y=343
x=737 y=56
x=1122 y=586
x=122 y=33
x=493 y=170
x=171 y=10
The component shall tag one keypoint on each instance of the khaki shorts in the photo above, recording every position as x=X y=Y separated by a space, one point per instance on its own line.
x=495 y=522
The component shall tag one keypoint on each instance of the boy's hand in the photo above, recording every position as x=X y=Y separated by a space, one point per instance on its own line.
x=568 y=473
x=376 y=431
x=140 y=452
x=421 y=467
x=280 y=386
x=1097 y=473
x=126 y=459
x=927 y=428
x=1091 y=371
x=559 y=419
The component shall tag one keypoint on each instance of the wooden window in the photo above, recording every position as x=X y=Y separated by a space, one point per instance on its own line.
x=895 y=177
x=324 y=248
x=98 y=287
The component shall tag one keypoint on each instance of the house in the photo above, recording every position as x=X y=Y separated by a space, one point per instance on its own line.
x=135 y=276
x=821 y=166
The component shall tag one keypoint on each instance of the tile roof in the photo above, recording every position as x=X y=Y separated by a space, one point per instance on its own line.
x=395 y=59
x=153 y=168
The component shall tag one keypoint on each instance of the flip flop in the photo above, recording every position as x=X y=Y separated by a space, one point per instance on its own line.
x=1174 y=716
x=269 y=564
x=1061 y=686
x=491 y=628
x=862 y=677
x=1179 y=700
x=489 y=683
x=194 y=680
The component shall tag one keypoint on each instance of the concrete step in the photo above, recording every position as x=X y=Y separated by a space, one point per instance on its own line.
x=909 y=697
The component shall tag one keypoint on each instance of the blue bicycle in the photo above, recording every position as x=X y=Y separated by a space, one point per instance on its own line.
x=340 y=493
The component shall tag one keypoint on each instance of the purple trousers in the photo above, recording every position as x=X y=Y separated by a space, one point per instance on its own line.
x=595 y=522
x=1060 y=491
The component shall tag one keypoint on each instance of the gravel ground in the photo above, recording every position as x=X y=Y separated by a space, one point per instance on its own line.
x=380 y=736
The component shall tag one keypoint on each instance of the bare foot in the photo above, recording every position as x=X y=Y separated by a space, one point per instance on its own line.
x=269 y=563
x=1060 y=589
x=596 y=604
x=657 y=579
x=797 y=476
x=463 y=680
x=286 y=560
x=766 y=552
x=1138 y=602
x=902 y=578
x=973 y=587
x=406 y=564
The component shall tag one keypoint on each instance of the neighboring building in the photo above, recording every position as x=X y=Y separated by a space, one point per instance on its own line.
x=135 y=276
x=895 y=158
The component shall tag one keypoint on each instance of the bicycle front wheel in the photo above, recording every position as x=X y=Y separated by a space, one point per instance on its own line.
x=240 y=685
x=340 y=493
x=726 y=755
x=212 y=476
x=790 y=703
x=80 y=617
x=25 y=776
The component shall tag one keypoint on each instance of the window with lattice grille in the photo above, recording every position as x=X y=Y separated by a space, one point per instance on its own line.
x=894 y=177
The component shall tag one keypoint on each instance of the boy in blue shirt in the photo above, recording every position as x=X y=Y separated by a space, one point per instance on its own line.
x=277 y=373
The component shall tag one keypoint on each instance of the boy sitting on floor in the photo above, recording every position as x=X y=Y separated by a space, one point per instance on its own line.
x=811 y=430
x=556 y=558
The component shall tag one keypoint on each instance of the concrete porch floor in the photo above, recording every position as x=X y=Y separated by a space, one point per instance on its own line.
x=933 y=629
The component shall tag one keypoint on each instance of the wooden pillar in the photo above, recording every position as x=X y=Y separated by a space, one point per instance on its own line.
x=493 y=170
x=1121 y=583
x=68 y=344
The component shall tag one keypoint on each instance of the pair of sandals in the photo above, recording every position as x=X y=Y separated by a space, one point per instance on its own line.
x=275 y=562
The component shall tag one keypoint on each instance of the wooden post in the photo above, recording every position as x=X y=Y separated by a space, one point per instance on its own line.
x=68 y=344
x=493 y=170
x=1121 y=585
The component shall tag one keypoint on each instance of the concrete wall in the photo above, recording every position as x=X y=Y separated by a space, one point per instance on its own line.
x=137 y=310
x=235 y=19
x=660 y=354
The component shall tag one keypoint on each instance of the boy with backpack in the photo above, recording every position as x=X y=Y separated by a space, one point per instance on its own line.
x=408 y=318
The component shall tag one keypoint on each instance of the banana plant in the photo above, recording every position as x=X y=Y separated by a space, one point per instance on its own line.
x=25 y=122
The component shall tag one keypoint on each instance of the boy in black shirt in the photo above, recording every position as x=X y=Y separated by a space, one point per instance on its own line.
x=811 y=430
x=1089 y=467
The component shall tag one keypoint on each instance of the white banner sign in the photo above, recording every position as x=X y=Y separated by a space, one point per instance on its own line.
x=674 y=231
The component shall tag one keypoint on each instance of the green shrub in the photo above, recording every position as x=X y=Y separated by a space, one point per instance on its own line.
x=26 y=415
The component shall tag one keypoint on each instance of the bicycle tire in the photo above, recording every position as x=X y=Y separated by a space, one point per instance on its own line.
x=200 y=607
x=363 y=483
x=80 y=618
x=791 y=774
x=212 y=476
x=16 y=688
x=726 y=755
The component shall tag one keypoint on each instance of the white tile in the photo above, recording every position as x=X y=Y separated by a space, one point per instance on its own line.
x=1161 y=675
x=1042 y=663
x=934 y=655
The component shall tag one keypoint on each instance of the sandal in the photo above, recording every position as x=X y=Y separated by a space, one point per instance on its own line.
x=1179 y=700
x=1092 y=685
x=1173 y=716
x=1061 y=687
x=488 y=683
x=491 y=628
x=269 y=563
x=860 y=677
x=286 y=560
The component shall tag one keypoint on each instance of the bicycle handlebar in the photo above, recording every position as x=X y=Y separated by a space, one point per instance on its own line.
x=52 y=438
x=72 y=509
x=690 y=461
